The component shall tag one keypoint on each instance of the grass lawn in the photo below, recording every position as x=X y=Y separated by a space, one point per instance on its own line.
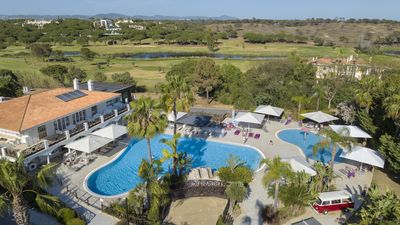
x=233 y=46
x=151 y=72
x=146 y=72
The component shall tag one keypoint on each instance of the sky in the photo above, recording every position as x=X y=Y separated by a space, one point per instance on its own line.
x=265 y=9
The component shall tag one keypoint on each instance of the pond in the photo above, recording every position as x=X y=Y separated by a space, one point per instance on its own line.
x=166 y=55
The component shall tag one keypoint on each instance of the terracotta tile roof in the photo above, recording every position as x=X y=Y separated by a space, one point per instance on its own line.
x=28 y=111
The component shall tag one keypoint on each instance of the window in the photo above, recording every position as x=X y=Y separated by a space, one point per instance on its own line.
x=109 y=103
x=94 y=110
x=336 y=201
x=325 y=203
x=63 y=123
x=42 y=132
x=55 y=125
x=59 y=125
x=67 y=121
x=347 y=200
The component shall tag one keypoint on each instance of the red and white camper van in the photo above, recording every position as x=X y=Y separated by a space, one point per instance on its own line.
x=332 y=201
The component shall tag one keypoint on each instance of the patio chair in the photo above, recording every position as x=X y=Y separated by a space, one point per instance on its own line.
x=251 y=135
x=237 y=132
x=257 y=136
x=194 y=175
x=204 y=174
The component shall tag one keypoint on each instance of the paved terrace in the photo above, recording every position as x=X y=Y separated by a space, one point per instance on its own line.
x=251 y=207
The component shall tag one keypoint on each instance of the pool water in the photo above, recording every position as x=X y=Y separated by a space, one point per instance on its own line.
x=307 y=142
x=121 y=175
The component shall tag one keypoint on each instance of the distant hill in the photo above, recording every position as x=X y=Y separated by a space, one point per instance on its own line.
x=117 y=16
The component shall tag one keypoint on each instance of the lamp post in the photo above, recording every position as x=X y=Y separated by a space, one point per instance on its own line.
x=127 y=211
x=101 y=204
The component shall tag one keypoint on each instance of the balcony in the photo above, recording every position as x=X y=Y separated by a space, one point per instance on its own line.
x=52 y=141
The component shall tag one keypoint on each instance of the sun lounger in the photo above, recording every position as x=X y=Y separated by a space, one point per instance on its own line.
x=251 y=135
x=210 y=173
x=257 y=136
x=204 y=174
x=288 y=121
x=77 y=166
x=237 y=132
x=194 y=175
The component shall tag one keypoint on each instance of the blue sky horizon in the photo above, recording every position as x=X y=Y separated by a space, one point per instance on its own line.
x=263 y=9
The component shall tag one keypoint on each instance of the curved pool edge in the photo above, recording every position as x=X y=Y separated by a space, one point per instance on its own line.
x=87 y=189
x=248 y=146
x=85 y=181
x=297 y=147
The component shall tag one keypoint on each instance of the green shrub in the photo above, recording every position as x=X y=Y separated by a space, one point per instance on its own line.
x=220 y=221
x=76 y=221
x=242 y=174
x=65 y=214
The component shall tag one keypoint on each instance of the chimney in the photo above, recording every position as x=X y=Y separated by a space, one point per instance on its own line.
x=90 y=85
x=76 y=84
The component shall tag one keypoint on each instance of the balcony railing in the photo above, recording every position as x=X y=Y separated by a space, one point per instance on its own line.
x=34 y=148
x=61 y=137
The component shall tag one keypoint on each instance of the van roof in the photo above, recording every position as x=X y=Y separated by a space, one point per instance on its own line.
x=332 y=195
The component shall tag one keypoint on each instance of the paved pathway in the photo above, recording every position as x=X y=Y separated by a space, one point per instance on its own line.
x=258 y=197
x=36 y=218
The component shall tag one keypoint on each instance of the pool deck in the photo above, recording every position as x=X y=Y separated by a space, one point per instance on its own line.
x=250 y=207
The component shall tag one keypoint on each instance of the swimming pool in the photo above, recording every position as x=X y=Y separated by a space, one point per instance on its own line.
x=306 y=144
x=120 y=175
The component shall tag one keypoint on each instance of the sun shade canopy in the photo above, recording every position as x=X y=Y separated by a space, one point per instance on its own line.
x=178 y=116
x=194 y=120
x=299 y=165
x=350 y=131
x=319 y=117
x=249 y=117
x=269 y=110
x=112 y=131
x=365 y=155
x=89 y=143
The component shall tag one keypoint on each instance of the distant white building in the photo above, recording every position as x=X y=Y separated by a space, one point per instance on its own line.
x=132 y=24
x=137 y=27
x=349 y=67
x=38 y=23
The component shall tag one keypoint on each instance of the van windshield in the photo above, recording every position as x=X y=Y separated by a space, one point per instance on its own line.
x=318 y=201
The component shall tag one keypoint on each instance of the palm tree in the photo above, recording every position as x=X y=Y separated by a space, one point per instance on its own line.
x=319 y=182
x=156 y=190
x=296 y=194
x=364 y=94
x=146 y=120
x=333 y=140
x=301 y=100
x=392 y=107
x=177 y=95
x=16 y=181
x=236 y=192
x=318 y=93
x=184 y=162
x=173 y=144
x=234 y=162
x=277 y=170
